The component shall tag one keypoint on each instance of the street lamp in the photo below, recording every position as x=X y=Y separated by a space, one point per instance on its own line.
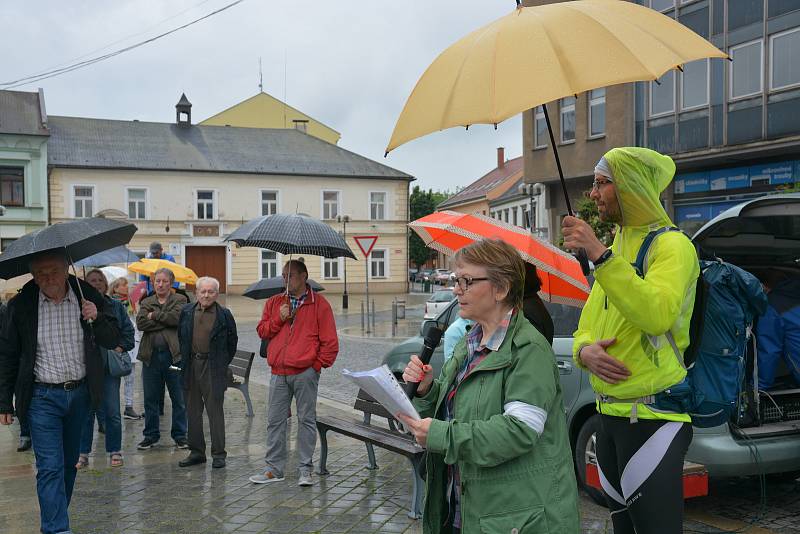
x=532 y=190
x=344 y=219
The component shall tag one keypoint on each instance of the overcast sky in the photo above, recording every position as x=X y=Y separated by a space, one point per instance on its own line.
x=349 y=63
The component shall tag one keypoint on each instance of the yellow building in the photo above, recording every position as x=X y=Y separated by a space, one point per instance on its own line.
x=266 y=111
x=188 y=186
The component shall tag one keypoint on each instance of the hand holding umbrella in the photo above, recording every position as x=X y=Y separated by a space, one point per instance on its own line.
x=578 y=235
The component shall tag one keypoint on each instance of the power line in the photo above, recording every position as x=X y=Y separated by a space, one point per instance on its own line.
x=81 y=64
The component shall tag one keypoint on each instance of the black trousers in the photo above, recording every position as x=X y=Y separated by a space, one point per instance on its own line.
x=199 y=396
x=641 y=471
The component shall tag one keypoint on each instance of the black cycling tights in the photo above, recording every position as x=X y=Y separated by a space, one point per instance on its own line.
x=641 y=471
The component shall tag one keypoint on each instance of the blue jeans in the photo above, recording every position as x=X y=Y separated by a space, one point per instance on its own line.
x=155 y=374
x=56 y=418
x=108 y=414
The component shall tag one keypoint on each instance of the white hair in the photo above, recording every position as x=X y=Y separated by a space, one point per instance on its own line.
x=208 y=279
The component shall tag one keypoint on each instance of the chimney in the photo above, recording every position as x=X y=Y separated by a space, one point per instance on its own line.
x=501 y=157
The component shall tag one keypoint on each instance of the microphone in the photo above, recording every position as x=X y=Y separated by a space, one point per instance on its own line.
x=430 y=342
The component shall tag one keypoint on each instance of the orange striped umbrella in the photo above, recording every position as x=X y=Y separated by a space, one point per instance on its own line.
x=560 y=273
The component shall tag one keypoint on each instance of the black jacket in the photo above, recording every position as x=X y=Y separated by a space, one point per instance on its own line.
x=535 y=311
x=18 y=345
x=221 y=349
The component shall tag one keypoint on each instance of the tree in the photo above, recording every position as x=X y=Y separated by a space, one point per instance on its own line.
x=586 y=210
x=422 y=203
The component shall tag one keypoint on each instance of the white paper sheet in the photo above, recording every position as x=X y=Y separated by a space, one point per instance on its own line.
x=381 y=384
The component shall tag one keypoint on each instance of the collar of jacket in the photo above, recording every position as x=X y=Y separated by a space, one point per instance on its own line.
x=500 y=358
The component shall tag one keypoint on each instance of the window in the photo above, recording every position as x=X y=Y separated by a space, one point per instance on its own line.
x=514 y=215
x=784 y=66
x=377 y=206
x=84 y=200
x=269 y=202
x=4 y=242
x=597 y=112
x=662 y=5
x=568 y=119
x=136 y=203
x=269 y=264
x=12 y=186
x=377 y=262
x=662 y=97
x=330 y=268
x=746 y=69
x=539 y=128
x=330 y=204
x=694 y=84
x=205 y=205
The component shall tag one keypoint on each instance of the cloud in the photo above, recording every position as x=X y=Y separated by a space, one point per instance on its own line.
x=350 y=64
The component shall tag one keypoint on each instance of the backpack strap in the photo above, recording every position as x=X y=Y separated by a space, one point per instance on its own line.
x=641 y=265
x=641 y=257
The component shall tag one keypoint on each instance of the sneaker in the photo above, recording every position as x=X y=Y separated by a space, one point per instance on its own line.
x=266 y=477
x=146 y=443
x=304 y=480
x=182 y=443
x=130 y=413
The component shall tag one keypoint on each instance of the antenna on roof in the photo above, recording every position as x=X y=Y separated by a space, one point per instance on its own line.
x=260 y=77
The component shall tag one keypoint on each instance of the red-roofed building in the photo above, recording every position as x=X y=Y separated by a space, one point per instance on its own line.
x=476 y=196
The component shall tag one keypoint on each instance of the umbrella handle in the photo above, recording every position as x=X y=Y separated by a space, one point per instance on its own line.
x=583 y=259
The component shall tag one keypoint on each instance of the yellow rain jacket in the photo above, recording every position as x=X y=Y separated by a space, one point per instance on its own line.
x=635 y=311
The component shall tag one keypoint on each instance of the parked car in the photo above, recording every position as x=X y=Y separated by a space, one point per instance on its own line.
x=760 y=233
x=441 y=276
x=423 y=275
x=438 y=301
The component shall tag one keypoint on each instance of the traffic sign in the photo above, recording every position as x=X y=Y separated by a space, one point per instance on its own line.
x=365 y=243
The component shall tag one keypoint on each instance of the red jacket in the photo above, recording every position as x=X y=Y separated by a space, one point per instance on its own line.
x=309 y=340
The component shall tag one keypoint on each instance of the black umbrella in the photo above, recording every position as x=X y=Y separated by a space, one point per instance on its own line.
x=119 y=254
x=291 y=234
x=267 y=287
x=80 y=239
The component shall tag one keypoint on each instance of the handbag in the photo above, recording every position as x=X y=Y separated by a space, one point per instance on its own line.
x=119 y=364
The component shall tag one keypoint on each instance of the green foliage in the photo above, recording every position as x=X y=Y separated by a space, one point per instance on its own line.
x=422 y=203
x=587 y=210
x=789 y=188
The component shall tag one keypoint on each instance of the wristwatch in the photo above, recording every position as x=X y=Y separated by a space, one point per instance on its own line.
x=603 y=257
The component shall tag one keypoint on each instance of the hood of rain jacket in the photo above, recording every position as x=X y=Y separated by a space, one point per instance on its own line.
x=636 y=311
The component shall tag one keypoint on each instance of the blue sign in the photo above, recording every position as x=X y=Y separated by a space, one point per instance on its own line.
x=696 y=212
x=735 y=178
x=695 y=182
x=772 y=173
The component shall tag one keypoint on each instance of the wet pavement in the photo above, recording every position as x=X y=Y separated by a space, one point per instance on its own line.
x=151 y=494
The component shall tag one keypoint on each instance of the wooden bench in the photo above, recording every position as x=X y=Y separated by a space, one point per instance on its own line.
x=391 y=439
x=240 y=377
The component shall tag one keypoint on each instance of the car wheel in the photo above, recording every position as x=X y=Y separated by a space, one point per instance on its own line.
x=585 y=450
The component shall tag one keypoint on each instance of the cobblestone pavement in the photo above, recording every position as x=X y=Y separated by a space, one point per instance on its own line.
x=151 y=494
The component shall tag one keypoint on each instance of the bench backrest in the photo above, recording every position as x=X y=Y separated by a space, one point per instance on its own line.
x=365 y=403
x=241 y=364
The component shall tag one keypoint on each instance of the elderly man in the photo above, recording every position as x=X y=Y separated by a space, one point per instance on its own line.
x=302 y=340
x=50 y=358
x=159 y=349
x=208 y=339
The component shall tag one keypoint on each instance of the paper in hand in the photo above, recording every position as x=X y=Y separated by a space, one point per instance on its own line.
x=382 y=386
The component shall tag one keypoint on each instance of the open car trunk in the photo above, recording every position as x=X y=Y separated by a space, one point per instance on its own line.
x=758 y=235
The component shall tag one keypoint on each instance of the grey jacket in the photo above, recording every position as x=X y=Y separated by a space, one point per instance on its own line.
x=165 y=320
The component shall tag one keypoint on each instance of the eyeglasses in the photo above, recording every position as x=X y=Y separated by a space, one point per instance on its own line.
x=464 y=282
x=598 y=184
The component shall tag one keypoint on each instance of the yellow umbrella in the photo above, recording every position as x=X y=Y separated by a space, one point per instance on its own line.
x=539 y=54
x=148 y=266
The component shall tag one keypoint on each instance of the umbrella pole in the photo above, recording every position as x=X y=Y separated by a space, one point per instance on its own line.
x=583 y=259
x=80 y=290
